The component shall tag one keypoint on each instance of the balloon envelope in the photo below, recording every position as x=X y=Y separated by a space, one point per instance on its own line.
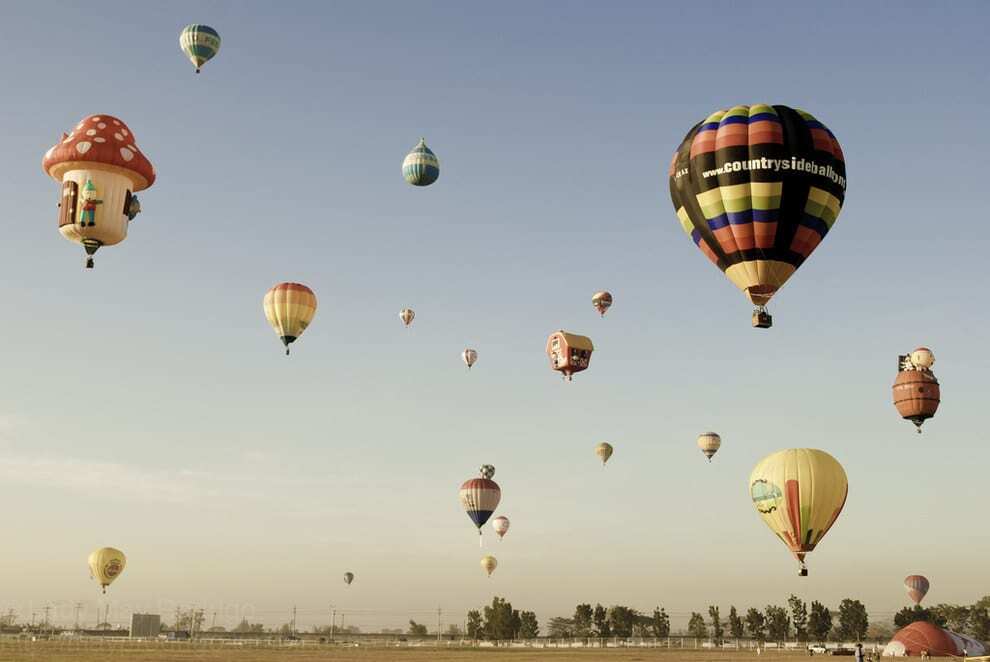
x=407 y=315
x=200 y=43
x=917 y=587
x=709 y=443
x=501 y=526
x=757 y=188
x=488 y=564
x=289 y=308
x=604 y=451
x=470 y=357
x=106 y=564
x=602 y=301
x=479 y=498
x=799 y=493
x=348 y=578
x=421 y=166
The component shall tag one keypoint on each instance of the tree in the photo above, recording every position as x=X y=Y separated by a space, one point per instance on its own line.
x=498 y=619
x=582 y=620
x=778 y=623
x=735 y=623
x=697 y=627
x=515 y=624
x=955 y=617
x=979 y=623
x=660 y=623
x=853 y=621
x=417 y=629
x=246 y=627
x=621 y=620
x=454 y=630
x=600 y=618
x=474 y=624
x=799 y=617
x=529 y=627
x=8 y=619
x=909 y=615
x=716 y=625
x=561 y=628
x=756 y=625
x=820 y=622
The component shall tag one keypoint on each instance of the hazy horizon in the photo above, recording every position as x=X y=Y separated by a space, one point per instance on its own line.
x=147 y=405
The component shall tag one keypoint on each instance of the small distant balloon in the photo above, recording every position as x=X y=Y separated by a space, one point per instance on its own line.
x=488 y=564
x=407 y=315
x=106 y=564
x=602 y=301
x=421 y=166
x=470 y=357
x=501 y=526
x=709 y=443
x=200 y=43
x=348 y=578
x=604 y=451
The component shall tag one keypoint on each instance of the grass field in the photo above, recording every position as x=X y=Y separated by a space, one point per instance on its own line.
x=59 y=651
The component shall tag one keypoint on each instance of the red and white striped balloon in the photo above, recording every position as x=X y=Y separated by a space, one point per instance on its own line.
x=917 y=587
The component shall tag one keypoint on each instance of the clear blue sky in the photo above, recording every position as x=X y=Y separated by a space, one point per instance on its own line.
x=147 y=405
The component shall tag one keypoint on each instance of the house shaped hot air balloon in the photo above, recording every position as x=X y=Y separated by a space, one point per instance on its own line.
x=569 y=353
x=100 y=169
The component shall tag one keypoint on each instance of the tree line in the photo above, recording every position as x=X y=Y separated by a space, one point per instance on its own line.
x=499 y=621
x=973 y=620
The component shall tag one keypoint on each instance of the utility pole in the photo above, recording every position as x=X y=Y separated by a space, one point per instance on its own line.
x=106 y=618
x=78 y=607
x=439 y=612
x=213 y=623
x=177 y=610
x=293 y=620
x=47 y=610
x=333 y=621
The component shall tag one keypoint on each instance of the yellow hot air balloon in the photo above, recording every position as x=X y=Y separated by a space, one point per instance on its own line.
x=488 y=564
x=799 y=493
x=604 y=451
x=709 y=443
x=290 y=308
x=106 y=564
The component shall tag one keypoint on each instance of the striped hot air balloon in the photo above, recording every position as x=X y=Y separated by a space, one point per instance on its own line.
x=799 y=493
x=604 y=451
x=200 y=43
x=421 y=167
x=479 y=498
x=917 y=587
x=757 y=188
x=709 y=443
x=289 y=308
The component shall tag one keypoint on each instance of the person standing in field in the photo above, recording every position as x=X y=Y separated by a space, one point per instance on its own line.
x=859 y=652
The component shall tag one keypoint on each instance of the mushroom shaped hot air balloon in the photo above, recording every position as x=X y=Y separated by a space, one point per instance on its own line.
x=421 y=167
x=348 y=578
x=799 y=493
x=757 y=188
x=604 y=451
x=469 y=356
x=479 y=498
x=99 y=168
x=602 y=301
x=488 y=564
x=407 y=315
x=709 y=443
x=569 y=353
x=289 y=308
x=501 y=526
x=916 y=391
x=106 y=564
x=200 y=43
x=917 y=587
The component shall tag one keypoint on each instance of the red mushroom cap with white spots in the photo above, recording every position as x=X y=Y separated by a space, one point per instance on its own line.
x=104 y=140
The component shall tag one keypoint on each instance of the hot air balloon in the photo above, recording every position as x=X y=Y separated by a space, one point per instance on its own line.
x=501 y=526
x=757 y=188
x=421 y=167
x=488 y=564
x=99 y=169
x=709 y=443
x=348 y=578
x=602 y=301
x=480 y=497
x=470 y=356
x=200 y=43
x=289 y=308
x=917 y=587
x=106 y=564
x=604 y=451
x=407 y=315
x=569 y=353
x=799 y=493
x=916 y=391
